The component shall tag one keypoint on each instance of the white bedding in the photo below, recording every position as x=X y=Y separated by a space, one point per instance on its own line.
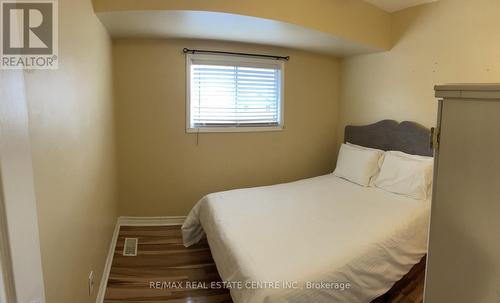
x=323 y=229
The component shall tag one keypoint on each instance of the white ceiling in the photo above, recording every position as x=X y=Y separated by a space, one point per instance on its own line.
x=226 y=27
x=396 y=5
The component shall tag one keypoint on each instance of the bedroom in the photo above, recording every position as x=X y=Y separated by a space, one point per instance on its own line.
x=109 y=144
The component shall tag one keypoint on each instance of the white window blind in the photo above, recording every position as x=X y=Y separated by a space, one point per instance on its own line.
x=231 y=94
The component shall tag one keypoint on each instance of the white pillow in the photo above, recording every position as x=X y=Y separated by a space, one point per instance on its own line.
x=357 y=164
x=380 y=160
x=363 y=147
x=406 y=174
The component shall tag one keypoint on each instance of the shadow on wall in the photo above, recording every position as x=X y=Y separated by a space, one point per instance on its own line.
x=411 y=17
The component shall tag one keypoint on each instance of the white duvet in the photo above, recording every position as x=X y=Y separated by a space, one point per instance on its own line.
x=324 y=229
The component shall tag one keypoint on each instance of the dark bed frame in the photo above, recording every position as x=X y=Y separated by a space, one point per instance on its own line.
x=411 y=138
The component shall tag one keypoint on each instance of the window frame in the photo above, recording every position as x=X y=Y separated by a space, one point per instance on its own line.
x=240 y=61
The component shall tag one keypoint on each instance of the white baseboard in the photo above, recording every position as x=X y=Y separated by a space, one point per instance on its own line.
x=130 y=221
x=151 y=221
x=107 y=266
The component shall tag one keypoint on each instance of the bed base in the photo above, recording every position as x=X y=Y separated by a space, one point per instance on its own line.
x=409 y=289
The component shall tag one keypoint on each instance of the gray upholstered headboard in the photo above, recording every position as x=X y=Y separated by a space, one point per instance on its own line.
x=408 y=137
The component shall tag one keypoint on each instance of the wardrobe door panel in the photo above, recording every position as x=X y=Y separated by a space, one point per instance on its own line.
x=464 y=243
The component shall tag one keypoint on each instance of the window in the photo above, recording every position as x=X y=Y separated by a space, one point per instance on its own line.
x=231 y=93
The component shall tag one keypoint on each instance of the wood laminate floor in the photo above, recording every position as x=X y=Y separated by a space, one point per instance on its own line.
x=162 y=258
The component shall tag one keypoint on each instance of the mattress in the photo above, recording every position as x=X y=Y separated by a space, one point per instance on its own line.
x=322 y=239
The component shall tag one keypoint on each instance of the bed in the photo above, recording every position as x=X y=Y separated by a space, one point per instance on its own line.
x=322 y=239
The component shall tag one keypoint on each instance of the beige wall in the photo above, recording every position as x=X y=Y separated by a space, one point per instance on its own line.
x=354 y=20
x=444 y=42
x=71 y=125
x=162 y=171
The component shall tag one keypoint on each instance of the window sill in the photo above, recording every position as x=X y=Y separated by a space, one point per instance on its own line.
x=234 y=129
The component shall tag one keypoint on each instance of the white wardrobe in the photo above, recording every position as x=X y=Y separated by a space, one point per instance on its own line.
x=463 y=263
